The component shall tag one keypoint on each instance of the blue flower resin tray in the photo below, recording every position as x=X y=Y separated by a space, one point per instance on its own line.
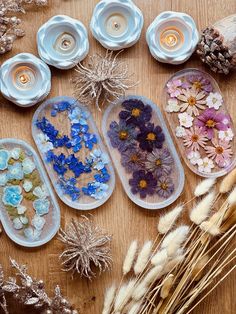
x=73 y=153
x=143 y=152
x=29 y=211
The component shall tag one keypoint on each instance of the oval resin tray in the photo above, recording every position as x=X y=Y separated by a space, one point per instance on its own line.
x=29 y=211
x=199 y=119
x=143 y=152
x=73 y=153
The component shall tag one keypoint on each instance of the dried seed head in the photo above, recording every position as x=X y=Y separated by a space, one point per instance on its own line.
x=167 y=221
x=173 y=241
x=120 y=298
x=166 y=286
x=139 y=291
x=130 y=256
x=204 y=186
x=232 y=197
x=135 y=307
x=143 y=257
x=228 y=182
x=108 y=300
x=210 y=228
x=159 y=258
x=152 y=275
x=202 y=209
x=198 y=268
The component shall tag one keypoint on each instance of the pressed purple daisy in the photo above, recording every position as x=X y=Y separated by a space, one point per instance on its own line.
x=150 y=137
x=121 y=135
x=159 y=162
x=165 y=187
x=200 y=83
x=143 y=183
x=135 y=112
x=132 y=159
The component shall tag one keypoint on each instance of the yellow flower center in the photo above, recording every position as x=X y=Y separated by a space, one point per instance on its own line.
x=134 y=158
x=195 y=138
x=197 y=85
x=142 y=184
x=192 y=101
x=164 y=186
x=123 y=135
x=210 y=123
x=219 y=150
x=158 y=162
x=151 y=136
x=135 y=112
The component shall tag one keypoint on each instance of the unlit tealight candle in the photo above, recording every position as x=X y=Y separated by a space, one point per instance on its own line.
x=65 y=43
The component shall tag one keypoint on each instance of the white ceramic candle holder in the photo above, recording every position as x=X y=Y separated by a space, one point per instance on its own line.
x=116 y=24
x=62 y=42
x=172 y=37
x=25 y=80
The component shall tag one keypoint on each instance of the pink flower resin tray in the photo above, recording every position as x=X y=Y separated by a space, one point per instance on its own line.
x=29 y=211
x=143 y=152
x=200 y=122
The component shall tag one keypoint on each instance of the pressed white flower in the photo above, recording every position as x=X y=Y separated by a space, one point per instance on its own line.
x=180 y=131
x=130 y=256
x=232 y=197
x=167 y=221
x=185 y=119
x=152 y=275
x=194 y=157
x=160 y=258
x=173 y=241
x=41 y=192
x=44 y=143
x=108 y=300
x=226 y=135
x=27 y=185
x=205 y=165
x=143 y=257
x=204 y=186
x=15 y=153
x=28 y=166
x=173 y=105
x=21 y=209
x=135 y=308
x=214 y=100
x=201 y=211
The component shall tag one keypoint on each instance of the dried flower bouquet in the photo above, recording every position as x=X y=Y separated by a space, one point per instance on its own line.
x=168 y=277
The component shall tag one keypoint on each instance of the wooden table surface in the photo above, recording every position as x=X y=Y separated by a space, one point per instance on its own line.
x=119 y=216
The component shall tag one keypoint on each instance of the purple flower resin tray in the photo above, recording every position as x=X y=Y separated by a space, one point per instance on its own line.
x=29 y=211
x=143 y=152
x=73 y=153
x=199 y=119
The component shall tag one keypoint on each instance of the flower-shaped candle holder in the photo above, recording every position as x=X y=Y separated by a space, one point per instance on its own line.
x=201 y=124
x=73 y=153
x=116 y=24
x=29 y=211
x=25 y=80
x=143 y=152
x=172 y=37
x=62 y=42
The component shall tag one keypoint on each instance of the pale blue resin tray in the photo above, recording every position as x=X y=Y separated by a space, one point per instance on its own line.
x=29 y=212
x=143 y=152
x=73 y=153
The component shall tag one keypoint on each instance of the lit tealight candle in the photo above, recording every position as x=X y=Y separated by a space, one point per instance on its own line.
x=24 y=77
x=116 y=25
x=171 y=38
x=65 y=43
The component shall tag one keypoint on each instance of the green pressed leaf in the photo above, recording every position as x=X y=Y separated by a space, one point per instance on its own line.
x=15 y=182
x=30 y=196
x=22 y=156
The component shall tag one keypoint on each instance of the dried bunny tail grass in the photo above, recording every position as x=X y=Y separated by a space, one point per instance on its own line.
x=210 y=228
x=159 y=258
x=143 y=257
x=231 y=221
x=166 y=286
x=198 y=268
x=125 y=295
x=204 y=186
x=173 y=263
x=228 y=182
x=108 y=300
x=120 y=298
x=130 y=256
x=167 y=221
x=232 y=197
x=201 y=211
x=152 y=275
x=139 y=291
x=230 y=210
x=174 y=239
x=135 y=307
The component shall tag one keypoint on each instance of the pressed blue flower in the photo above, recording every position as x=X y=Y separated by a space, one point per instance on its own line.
x=47 y=128
x=28 y=166
x=41 y=206
x=12 y=195
x=88 y=165
x=100 y=159
x=38 y=222
x=78 y=115
x=59 y=164
x=50 y=156
x=60 y=107
x=78 y=129
x=15 y=171
x=96 y=190
x=89 y=140
x=102 y=177
x=69 y=188
x=76 y=143
x=61 y=141
x=4 y=158
x=3 y=179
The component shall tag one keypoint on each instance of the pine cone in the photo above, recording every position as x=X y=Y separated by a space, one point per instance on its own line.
x=217 y=47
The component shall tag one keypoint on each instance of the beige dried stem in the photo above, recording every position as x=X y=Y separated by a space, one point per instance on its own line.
x=103 y=79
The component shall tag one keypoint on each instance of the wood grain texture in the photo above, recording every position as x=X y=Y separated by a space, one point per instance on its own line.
x=123 y=219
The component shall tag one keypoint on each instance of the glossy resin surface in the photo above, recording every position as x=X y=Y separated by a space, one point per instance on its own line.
x=200 y=122
x=29 y=211
x=143 y=152
x=73 y=153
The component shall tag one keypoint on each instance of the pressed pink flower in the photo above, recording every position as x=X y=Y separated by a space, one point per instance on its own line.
x=173 y=88
x=221 y=152
x=192 y=100
x=195 y=137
